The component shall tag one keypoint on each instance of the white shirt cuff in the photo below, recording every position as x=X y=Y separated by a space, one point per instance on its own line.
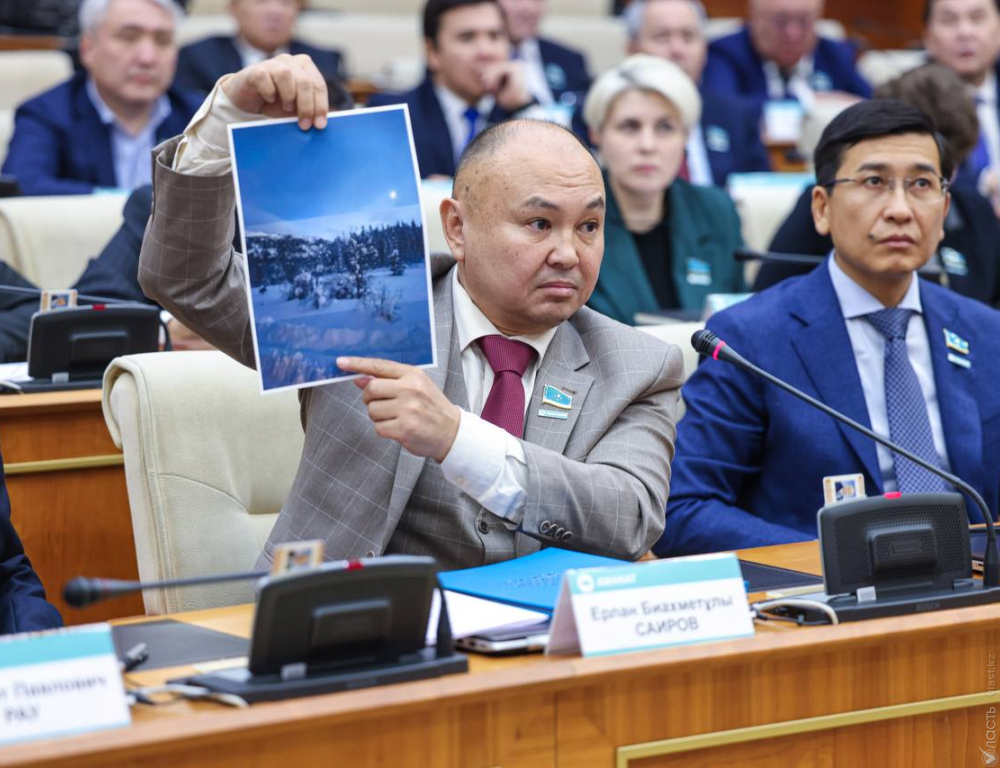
x=488 y=463
x=204 y=150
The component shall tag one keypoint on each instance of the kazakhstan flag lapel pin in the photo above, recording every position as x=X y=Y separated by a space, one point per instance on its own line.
x=957 y=344
x=557 y=398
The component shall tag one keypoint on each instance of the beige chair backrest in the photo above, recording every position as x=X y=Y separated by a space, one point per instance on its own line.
x=370 y=42
x=197 y=26
x=601 y=39
x=205 y=7
x=764 y=207
x=879 y=67
x=6 y=130
x=50 y=239
x=432 y=193
x=208 y=464
x=24 y=74
x=679 y=334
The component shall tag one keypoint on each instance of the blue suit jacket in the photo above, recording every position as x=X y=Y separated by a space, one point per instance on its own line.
x=61 y=147
x=435 y=152
x=734 y=67
x=23 y=607
x=201 y=64
x=751 y=458
x=730 y=128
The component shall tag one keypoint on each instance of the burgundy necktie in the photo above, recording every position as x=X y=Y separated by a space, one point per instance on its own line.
x=509 y=359
x=684 y=172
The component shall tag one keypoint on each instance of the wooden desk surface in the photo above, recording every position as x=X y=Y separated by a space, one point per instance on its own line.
x=910 y=690
x=68 y=496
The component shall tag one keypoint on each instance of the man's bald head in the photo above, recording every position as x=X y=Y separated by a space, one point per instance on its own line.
x=526 y=225
x=490 y=151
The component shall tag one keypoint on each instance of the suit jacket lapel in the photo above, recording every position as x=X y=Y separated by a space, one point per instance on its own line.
x=449 y=365
x=824 y=348
x=560 y=368
x=96 y=136
x=433 y=128
x=957 y=404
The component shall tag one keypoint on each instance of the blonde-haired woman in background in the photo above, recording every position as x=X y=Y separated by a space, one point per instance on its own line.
x=667 y=243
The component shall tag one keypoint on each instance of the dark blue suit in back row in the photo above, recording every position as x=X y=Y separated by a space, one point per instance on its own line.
x=61 y=147
x=435 y=151
x=23 y=607
x=734 y=67
x=730 y=128
x=751 y=458
x=201 y=64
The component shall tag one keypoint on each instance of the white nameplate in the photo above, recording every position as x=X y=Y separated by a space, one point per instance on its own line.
x=650 y=605
x=60 y=682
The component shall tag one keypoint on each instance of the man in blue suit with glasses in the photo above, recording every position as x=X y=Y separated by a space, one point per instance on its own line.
x=861 y=333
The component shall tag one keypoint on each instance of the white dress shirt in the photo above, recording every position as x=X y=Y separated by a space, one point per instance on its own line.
x=868 y=344
x=485 y=461
x=699 y=167
x=797 y=86
x=989 y=119
x=453 y=106
x=130 y=151
x=534 y=69
x=250 y=55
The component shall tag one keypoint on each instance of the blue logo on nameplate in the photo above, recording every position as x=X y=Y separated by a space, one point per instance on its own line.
x=548 y=413
x=556 y=397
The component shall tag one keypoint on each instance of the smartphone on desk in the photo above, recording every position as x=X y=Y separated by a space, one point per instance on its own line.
x=507 y=642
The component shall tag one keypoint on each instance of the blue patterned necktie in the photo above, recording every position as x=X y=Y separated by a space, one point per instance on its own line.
x=979 y=160
x=909 y=424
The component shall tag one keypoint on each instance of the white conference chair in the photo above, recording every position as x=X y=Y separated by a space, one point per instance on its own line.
x=24 y=74
x=50 y=239
x=208 y=464
x=679 y=334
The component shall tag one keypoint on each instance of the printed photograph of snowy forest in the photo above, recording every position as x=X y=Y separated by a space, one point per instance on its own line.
x=336 y=263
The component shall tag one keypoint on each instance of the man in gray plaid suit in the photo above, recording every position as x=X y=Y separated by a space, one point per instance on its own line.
x=544 y=423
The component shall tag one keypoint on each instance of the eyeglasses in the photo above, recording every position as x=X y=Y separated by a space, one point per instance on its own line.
x=920 y=189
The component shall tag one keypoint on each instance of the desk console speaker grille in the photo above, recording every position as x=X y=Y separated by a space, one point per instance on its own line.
x=895 y=542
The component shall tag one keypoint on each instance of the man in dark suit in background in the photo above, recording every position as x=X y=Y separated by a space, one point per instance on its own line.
x=264 y=30
x=728 y=138
x=557 y=76
x=969 y=254
x=778 y=55
x=964 y=35
x=861 y=333
x=471 y=82
x=98 y=128
x=23 y=607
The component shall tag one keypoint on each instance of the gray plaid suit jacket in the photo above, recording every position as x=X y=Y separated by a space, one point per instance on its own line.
x=597 y=481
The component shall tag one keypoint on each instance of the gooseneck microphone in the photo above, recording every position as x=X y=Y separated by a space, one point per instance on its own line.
x=707 y=343
x=81 y=591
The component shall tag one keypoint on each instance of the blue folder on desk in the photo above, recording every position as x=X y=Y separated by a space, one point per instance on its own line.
x=527 y=582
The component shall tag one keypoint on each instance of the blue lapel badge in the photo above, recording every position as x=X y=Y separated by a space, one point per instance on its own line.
x=556 y=76
x=556 y=397
x=954 y=262
x=961 y=362
x=716 y=139
x=953 y=341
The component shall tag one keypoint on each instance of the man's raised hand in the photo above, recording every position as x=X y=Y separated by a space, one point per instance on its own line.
x=285 y=86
